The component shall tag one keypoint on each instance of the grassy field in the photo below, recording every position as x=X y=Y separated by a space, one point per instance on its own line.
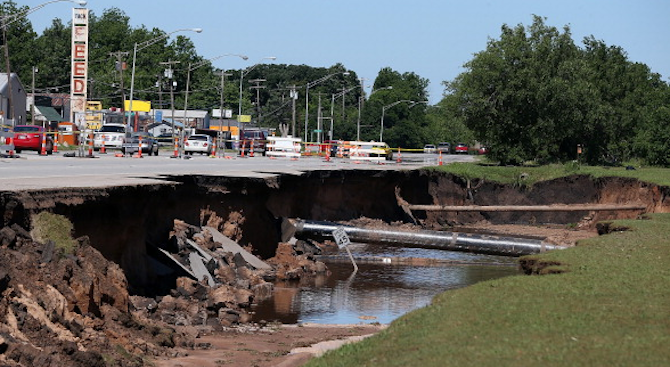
x=526 y=176
x=605 y=302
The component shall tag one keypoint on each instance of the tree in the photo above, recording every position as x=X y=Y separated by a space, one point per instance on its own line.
x=20 y=39
x=405 y=123
x=533 y=95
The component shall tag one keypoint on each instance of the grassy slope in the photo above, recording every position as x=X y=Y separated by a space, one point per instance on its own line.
x=611 y=307
x=513 y=175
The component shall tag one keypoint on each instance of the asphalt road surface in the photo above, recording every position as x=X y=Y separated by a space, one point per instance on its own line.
x=31 y=171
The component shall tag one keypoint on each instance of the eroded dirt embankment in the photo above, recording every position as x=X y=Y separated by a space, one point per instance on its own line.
x=121 y=221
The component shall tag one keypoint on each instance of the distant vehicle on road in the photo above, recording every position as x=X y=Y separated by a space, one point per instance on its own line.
x=30 y=137
x=199 y=143
x=444 y=147
x=133 y=142
x=483 y=150
x=429 y=148
x=253 y=139
x=461 y=148
x=110 y=136
x=370 y=150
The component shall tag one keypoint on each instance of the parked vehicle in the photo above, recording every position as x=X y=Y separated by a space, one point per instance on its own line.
x=444 y=147
x=165 y=139
x=30 y=137
x=461 y=148
x=110 y=136
x=253 y=139
x=483 y=150
x=199 y=143
x=370 y=150
x=429 y=148
x=133 y=142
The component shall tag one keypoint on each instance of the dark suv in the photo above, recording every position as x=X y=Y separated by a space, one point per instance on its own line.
x=253 y=139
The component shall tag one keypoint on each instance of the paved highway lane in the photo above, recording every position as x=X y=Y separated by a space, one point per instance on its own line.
x=32 y=171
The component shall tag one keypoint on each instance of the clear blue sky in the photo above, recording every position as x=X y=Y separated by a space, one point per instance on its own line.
x=432 y=38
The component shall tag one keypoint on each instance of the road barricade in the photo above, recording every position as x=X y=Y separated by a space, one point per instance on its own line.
x=7 y=143
x=283 y=147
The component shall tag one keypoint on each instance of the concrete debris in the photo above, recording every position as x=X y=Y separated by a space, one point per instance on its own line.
x=61 y=308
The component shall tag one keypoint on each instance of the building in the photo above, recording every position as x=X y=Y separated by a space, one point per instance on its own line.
x=17 y=110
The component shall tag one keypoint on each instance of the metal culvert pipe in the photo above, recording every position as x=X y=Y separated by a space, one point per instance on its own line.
x=451 y=241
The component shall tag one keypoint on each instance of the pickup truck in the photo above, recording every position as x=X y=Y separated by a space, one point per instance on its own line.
x=110 y=136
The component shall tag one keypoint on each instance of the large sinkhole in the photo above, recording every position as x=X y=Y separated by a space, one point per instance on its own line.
x=127 y=224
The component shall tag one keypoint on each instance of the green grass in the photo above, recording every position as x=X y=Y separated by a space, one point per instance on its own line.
x=609 y=305
x=527 y=176
x=48 y=226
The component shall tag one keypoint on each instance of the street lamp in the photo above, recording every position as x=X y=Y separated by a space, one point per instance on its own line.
x=6 y=21
x=141 y=46
x=192 y=67
x=246 y=72
x=332 y=107
x=381 y=126
x=311 y=84
x=360 y=103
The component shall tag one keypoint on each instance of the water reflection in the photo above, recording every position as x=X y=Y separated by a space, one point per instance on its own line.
x=377 y=292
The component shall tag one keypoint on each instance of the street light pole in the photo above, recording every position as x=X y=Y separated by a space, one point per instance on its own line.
x=332 y=107
x=246 y=72
x=311 y=84
x=381 y=127
x=192 y=67
x=139 y=47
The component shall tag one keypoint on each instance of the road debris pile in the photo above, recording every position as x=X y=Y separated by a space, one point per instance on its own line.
x=221 y=279
x=61 y=308
x=71 y=307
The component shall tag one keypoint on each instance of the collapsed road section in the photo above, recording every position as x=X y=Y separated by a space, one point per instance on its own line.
x=147 y=255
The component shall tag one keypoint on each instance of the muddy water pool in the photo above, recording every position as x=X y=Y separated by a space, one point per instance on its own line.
x=378 y=291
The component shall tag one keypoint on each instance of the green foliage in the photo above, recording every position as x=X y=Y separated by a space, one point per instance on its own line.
x=53 y=227
x=534 y=95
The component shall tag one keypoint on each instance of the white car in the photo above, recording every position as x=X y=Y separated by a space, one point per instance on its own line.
x=109 y=136
x=429 y=148
x=199 y=143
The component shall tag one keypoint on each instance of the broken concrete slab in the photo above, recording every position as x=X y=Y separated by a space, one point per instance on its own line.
x=205 y=255
x=199 y=269
x=169 y=255
x=231 y=246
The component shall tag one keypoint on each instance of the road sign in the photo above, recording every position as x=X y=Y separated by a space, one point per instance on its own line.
x=341 y=237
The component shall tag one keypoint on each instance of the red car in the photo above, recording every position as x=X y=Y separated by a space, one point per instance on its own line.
x=461 y=149
x=29 y=137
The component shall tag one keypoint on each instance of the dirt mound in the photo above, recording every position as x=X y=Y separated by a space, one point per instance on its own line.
x=73 y=309
x=60 y=309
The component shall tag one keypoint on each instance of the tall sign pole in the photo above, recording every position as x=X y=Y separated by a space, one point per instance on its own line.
x=79 y=71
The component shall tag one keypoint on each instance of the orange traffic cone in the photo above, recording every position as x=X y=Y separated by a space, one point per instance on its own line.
x=102 y=145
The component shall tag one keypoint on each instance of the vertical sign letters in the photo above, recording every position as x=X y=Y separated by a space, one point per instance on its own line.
x=79 y=70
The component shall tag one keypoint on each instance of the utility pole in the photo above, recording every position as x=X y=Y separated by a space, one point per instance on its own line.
x=223 y=83
x=294 y=96
x=120 y=67
x=258 y=88
x=10 y=92
x=361 y=99
x=32 y=105
x=169 y=74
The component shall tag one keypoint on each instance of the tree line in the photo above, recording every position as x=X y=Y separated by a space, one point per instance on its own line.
x=532 y=95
